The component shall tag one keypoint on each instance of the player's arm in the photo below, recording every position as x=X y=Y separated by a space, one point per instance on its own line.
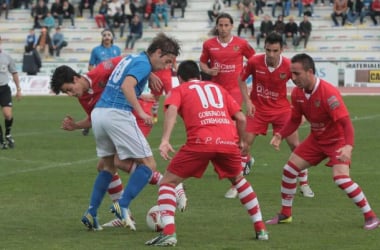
x=206 y=69
x=16 y=79
x=155 y=82
x=250 y=108
x=70 y=124
x=241 y=123
x=345 y=152
x=169 y=122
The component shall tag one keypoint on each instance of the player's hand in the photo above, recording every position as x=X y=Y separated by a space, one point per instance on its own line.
x=344 y=153
x=165 y=148
x=68 y=123
x=276 y=141
x=250 y=109
x=18 y=94
x=148 y=120
x=213 y=71
x=243 y=147
x=155 y=83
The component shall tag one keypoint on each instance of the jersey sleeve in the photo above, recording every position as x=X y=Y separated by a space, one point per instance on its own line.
x=205 y=53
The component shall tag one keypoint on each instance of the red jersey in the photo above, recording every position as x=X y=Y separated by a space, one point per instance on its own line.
x=269 y=92
x=228 y=59
x=207 y=111
x=322 y=109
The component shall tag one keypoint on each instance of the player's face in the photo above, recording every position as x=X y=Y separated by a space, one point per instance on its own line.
x=273 y=53
x=74 y=89
x=301 y=78
x=160 y=61
x=224 y=27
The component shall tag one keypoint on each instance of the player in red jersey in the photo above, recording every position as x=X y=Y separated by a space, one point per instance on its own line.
x=223 y=58
x=268 y=103
x=208 y=112
x=88 y=89
x=331 y=136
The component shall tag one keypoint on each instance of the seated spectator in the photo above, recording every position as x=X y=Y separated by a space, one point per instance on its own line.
x=339 y=10
x=305 y=28
x=259 y=5
x=68 y=12
x=44 y=43
x=178 y=4
x=31 y=61
x=86 y=4
x=58 y=41
x=291 y=31
x=275 y=4
x=100 y=18
x=243 y=3
x=49 y=21
x=39 y=13
x=113 y=7
x=305 y=7
x=216 y=8
x=266 y=27
x=354 y=10
x=135 y=32
x=375 y=11
x=56 y=9
x=366 y=10
x=118 y=22
x=246 y=21
x=160 y=13
x=5 y=6
x=279 y=26
x=129 y=10
x=31 y=39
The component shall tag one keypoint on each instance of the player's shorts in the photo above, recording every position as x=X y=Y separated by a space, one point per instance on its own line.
x=5 y=96
x=313 y=152
x=259 y=123
x=116 y=131
x=188 y=163
x=147 y=107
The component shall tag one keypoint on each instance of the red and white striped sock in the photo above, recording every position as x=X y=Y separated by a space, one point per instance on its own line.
x=167 y=203
x=249 y=200
x=115 y=188
x=302 y=177
x=156 y=178
x=288 y=187
x=355 y=193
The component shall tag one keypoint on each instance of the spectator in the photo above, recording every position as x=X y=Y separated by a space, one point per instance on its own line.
x=56 y=9
x=305 y=7
x=39 y=13
x=178 y=4
x=100 y=18
x=248 y=3
x=44 y=43
x=279 y=26
x=68 y=12
x=160 y=13
x=354 y=10
x=278 y=3
x=266 y=27
x=58 y=40
x=246 y=21
x=339 y=9
x=113 y=7
x=148 y=10
x=118 y=22
x=305 y=28
x=227 y=2
x=135 y=32
x=86 y=4
x=375 y=11
x=216 y=8
x=31 y=38
x=366 y=10
x=49 y=21
x=129 y=10
x=259 y=6
x=31 y=61
x=5 y=5
x=291 y=31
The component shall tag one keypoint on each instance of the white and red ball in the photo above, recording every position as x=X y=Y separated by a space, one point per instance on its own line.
x=153 y=219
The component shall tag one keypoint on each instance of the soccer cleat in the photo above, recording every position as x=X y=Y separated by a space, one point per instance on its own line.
x=114 y=223
x=262 y=235
x=181 y=197
x=279 y=219
x=163 y=240
x=10 y=141
x=123 y=214
x=306 y=191
x=247 y=166
x=3 y=145
x=85 y=131
x=371 y=223
x=231 y=193
x=91 y=222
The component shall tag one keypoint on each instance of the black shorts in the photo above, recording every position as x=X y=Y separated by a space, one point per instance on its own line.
x=5 y=96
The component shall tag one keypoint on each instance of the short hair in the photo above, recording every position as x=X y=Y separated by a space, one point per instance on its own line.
x=188 y=69
x=224 y=15
x=62 y=74
x=274 y=37
x=168 y=45
x=306 y=61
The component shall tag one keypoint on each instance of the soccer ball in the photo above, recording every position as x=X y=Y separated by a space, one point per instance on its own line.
x=153 y=219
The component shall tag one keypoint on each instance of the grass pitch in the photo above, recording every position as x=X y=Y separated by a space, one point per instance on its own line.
x=46 y=181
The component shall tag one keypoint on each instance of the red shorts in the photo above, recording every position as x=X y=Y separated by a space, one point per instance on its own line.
x=187 y=163
x=313 y=152
x=259 y=123
x=147 y=107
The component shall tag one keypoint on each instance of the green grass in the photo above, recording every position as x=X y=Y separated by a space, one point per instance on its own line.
x=46 y=181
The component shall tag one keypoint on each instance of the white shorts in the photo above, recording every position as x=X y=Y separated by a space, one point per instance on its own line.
x=116 y=131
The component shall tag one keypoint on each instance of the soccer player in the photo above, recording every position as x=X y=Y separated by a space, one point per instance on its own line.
x=116 y=131
x=268 y=102
x=88 y=88
x=331 y=136
x=223 y=57
x=208 y=112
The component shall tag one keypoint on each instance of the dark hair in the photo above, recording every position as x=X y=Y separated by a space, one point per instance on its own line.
x=274 y=37
x=62 y=74
x=168 y=45
x=188 y=69
x=306 y=61
x=224 y=15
